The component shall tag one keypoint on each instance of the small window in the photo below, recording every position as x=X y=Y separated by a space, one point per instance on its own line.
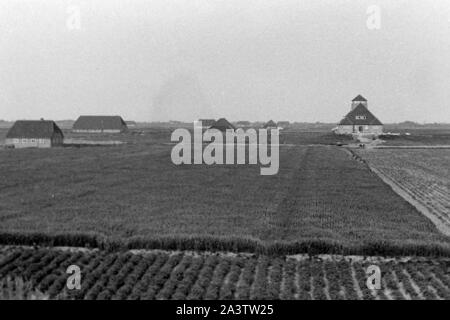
x=32 y=140
x=24 y=140
x=16 y=140
x=360 y=117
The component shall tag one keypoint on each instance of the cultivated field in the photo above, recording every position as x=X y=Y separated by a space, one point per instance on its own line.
x=420 y=175
x=184 y=275
x=131 y=196
x=322 y=200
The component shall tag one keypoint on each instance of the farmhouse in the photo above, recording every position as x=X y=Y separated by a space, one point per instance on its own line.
x=34 y=134
x=270 y=125
x=222 y=124
x=99 y=124
x=243 y=124
x=359 y=120
x=283 y=124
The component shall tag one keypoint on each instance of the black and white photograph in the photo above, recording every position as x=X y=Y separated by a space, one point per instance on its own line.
x=220 y=157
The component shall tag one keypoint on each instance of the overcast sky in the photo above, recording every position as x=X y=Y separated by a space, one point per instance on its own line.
x=297 y=60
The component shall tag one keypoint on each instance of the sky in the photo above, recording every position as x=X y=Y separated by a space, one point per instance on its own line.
x=158 y=60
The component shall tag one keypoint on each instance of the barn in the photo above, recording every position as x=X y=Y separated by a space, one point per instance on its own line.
x=359 y=120
x=34 y=134
x=100 y=124
x=270 y=125
x=223 y=124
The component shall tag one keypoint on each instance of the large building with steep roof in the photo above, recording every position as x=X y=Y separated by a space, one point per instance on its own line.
x=359 y=120
x=34 y=134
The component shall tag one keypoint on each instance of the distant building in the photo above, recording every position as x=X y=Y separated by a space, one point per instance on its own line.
x=207 y=123
x=34 y=134
x=283 y=124
x=243 y=123
x=222 y=124
x=270 y=125
x=99 y=124
x=359 y=120
x=130 y=124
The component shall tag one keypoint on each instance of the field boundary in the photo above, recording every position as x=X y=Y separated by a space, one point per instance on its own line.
x=445 y=230
x=420 y=207
x=236 y=245
x=226 y=254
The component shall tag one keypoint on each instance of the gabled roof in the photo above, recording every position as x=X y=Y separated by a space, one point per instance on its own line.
x=40 y=129
x=99 y=123
x=360 y=116
x=359 y=98
x=222 y=124
x=270 y=124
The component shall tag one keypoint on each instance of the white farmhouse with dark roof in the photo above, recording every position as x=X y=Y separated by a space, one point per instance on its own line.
x=359 y=120
x=34 y=134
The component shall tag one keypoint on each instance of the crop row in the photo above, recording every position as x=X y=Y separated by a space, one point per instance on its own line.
x=419 y=173
x=182 y=275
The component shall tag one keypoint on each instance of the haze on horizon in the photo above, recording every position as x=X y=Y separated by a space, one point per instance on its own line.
x=296 y=60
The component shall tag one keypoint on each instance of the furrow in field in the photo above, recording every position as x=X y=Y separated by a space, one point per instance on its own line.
x=164 y=275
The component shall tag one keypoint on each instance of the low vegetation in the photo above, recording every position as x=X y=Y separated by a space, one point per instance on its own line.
x=133 y=196
x=324 y=200
x=178 y=275
x=17 y=289
x=420 y=173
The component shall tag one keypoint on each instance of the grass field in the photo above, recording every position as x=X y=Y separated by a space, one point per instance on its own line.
x=134 y=196
x=183 y=275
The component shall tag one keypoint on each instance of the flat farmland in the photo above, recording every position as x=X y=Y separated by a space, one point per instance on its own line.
x=418 y=137
x=421 y=175
x=178 y=275
x=321 y=200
